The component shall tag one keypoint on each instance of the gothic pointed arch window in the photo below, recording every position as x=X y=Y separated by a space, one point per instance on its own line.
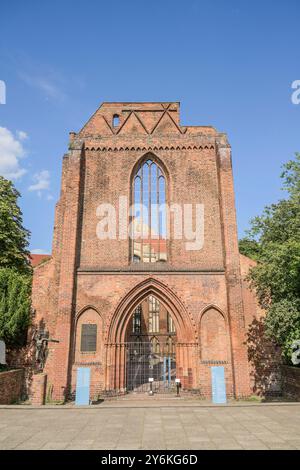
x=155 y=345
x=149 y=217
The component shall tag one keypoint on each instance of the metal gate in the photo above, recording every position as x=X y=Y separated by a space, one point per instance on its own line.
x=144 y=361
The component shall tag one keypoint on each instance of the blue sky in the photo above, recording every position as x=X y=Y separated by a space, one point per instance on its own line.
x=230 y=64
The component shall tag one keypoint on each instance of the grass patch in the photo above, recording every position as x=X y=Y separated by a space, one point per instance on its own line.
x=252 y=398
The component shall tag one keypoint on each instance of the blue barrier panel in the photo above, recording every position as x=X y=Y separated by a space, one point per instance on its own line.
x=83 y=386
x=218 y=384
x=169 y=370
x=165 y=370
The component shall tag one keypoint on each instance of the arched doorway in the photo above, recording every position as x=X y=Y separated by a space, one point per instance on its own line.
x=172 y=352
x=150 y=348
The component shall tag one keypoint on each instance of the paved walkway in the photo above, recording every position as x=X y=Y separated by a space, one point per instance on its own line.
x=162 y=425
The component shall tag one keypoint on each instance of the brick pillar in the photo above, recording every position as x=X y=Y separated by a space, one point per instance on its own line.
x=67 y=275
x=232 y=268
x=38 y=389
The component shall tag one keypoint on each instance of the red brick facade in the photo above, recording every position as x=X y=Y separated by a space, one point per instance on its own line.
x=89 y=280
x=11 y=386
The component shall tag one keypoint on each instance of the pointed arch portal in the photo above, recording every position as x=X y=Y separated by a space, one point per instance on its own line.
x=150 y=337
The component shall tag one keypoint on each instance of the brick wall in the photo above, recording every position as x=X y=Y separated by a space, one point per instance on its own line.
x=264 y=358
x=11 y=386
x=37 y=392
x=291 y=382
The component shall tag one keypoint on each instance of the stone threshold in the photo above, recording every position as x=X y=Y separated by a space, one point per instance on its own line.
x=177 y=403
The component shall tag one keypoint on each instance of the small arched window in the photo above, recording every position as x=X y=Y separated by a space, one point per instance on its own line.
x=149 y=214
x=155 y=346
x=170 y=346
x=116 y=120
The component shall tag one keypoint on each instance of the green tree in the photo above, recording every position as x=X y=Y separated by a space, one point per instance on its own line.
x=15 y=289
x=282 y=323
x=249 y=248
x=13 y=236
x=276 y=278
x=15 y=270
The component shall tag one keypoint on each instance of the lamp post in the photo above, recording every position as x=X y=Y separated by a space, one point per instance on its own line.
x=151 y=383
x=177 y=381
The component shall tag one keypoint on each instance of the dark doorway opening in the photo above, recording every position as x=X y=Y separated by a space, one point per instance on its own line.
x=150 y=348
x=143 y=363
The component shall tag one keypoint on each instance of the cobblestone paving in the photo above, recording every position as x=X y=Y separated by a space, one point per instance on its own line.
x=163 y=426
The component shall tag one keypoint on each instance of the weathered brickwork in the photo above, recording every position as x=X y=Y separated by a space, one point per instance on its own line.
x=291 y=382
x=264 y=358
x=89 y=280
x=38 y=389
x=11 y=386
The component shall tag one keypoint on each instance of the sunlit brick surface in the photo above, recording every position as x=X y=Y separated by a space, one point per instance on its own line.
x=93 y=280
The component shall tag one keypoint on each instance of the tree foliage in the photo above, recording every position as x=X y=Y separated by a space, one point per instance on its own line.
x=15 y=289
x=13 y=236
x=282 y=323
x=274 y=241
x=249 y=248
x=15 y=270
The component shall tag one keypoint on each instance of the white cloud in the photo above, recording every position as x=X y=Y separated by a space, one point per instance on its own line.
x=39 y=251
x=42 y=182
x=11 y=151
x=49 y=85
x=22 y=135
